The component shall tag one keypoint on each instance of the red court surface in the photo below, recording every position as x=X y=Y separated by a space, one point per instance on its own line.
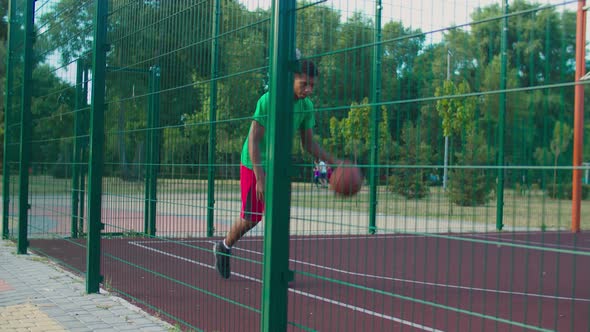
x=445 y=282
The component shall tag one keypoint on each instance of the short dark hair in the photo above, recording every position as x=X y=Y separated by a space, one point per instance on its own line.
x=308 y=67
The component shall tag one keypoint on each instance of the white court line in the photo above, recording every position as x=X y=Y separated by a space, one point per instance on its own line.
x=394 y=236
x=494 y=291
x=295 y=238
x=313 y=296
x=544 y=244
x=390 y=236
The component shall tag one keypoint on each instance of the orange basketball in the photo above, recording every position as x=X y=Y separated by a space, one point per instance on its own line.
x=346 y=180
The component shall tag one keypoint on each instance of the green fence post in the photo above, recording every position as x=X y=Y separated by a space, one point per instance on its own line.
x=11 y=35
x=76 y=157
x=83 y=148
x=148 y=159
x=375 y=98
x=25 y=129
x=501 y=120
x=96 y=158
x=153 y=151
x=276 y=274
x=213 y=120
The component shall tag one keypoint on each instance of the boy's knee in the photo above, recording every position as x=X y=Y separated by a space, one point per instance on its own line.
x=249 y=223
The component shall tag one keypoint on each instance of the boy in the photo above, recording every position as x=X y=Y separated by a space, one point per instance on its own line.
x=253 y=159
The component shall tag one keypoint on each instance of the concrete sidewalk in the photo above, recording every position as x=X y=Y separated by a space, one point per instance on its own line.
x=37 y=295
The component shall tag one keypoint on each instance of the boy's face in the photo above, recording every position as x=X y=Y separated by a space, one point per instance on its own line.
x=303 y=85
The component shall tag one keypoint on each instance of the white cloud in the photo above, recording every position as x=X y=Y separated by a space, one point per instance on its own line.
x=425 y=14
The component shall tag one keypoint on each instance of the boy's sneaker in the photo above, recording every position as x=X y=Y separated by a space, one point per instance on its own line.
x=222 y=256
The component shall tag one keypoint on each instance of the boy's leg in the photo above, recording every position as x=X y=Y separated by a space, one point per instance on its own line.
x=222 y=249
x=250 y=215
x=237 y=230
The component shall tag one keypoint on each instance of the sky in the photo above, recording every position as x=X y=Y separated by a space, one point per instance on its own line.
x=428 y=15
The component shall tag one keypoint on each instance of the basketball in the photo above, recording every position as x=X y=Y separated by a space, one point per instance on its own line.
x=346 y=180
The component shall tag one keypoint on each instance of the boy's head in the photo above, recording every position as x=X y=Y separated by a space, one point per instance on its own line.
x=305 y=79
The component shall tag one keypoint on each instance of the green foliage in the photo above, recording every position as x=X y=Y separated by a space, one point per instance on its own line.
x=564 y=191
x=177 y=150
x=560 y=141
x=74 y=38
x=3 y=21
x=312 y=23
x=543 y=156
x=472 y=184
x=386 y=143
x=409 y=176
x=3 y=85
x=62 y=166
x=53 y=117
x=562 y=136
x=540 y=37
x=166 y=33
x=3 y=38
x=457 y=113
x=350 y=136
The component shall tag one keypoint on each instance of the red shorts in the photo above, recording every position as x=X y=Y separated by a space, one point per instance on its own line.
x=252 y=208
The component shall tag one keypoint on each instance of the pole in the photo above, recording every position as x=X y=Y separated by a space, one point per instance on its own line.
x=25 y=133
x=501 y=119
x=375 y=98
x=96 y=159
x=83 y=148
x=446 y=161
x=213 y=120
x=153 y=150
x=11 y=34
x=276 y=273
x=76 y=156
x=578 y=116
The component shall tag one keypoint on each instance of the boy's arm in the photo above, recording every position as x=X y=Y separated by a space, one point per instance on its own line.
x=311 y=146
x=256 y=135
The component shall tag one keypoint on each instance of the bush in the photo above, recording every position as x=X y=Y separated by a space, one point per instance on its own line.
x=473 y=185
x=409 y=185
x=470 y=188
x=520 y=189
x=410 y=181
x=62 y=169
x=564 y=191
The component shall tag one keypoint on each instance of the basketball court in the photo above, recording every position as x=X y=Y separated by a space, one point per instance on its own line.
x=435 y=282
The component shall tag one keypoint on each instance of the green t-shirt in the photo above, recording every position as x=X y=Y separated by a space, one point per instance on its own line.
x=303 y=118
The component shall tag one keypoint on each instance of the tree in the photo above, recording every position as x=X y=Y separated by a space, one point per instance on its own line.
x=2 y=106
x=408 y=178
x=540 y=42
x=52 y=126
x=400 y=75
x=472 y=185
x=312 y=24
x=562 y=136
x=457 y=113
x=350 y=136
x=354 y=38
x=3 y=38
x=540 y=46
x=176 y=37
x=3 y=19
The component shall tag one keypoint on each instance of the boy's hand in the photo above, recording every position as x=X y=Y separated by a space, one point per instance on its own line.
x=260 y=185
